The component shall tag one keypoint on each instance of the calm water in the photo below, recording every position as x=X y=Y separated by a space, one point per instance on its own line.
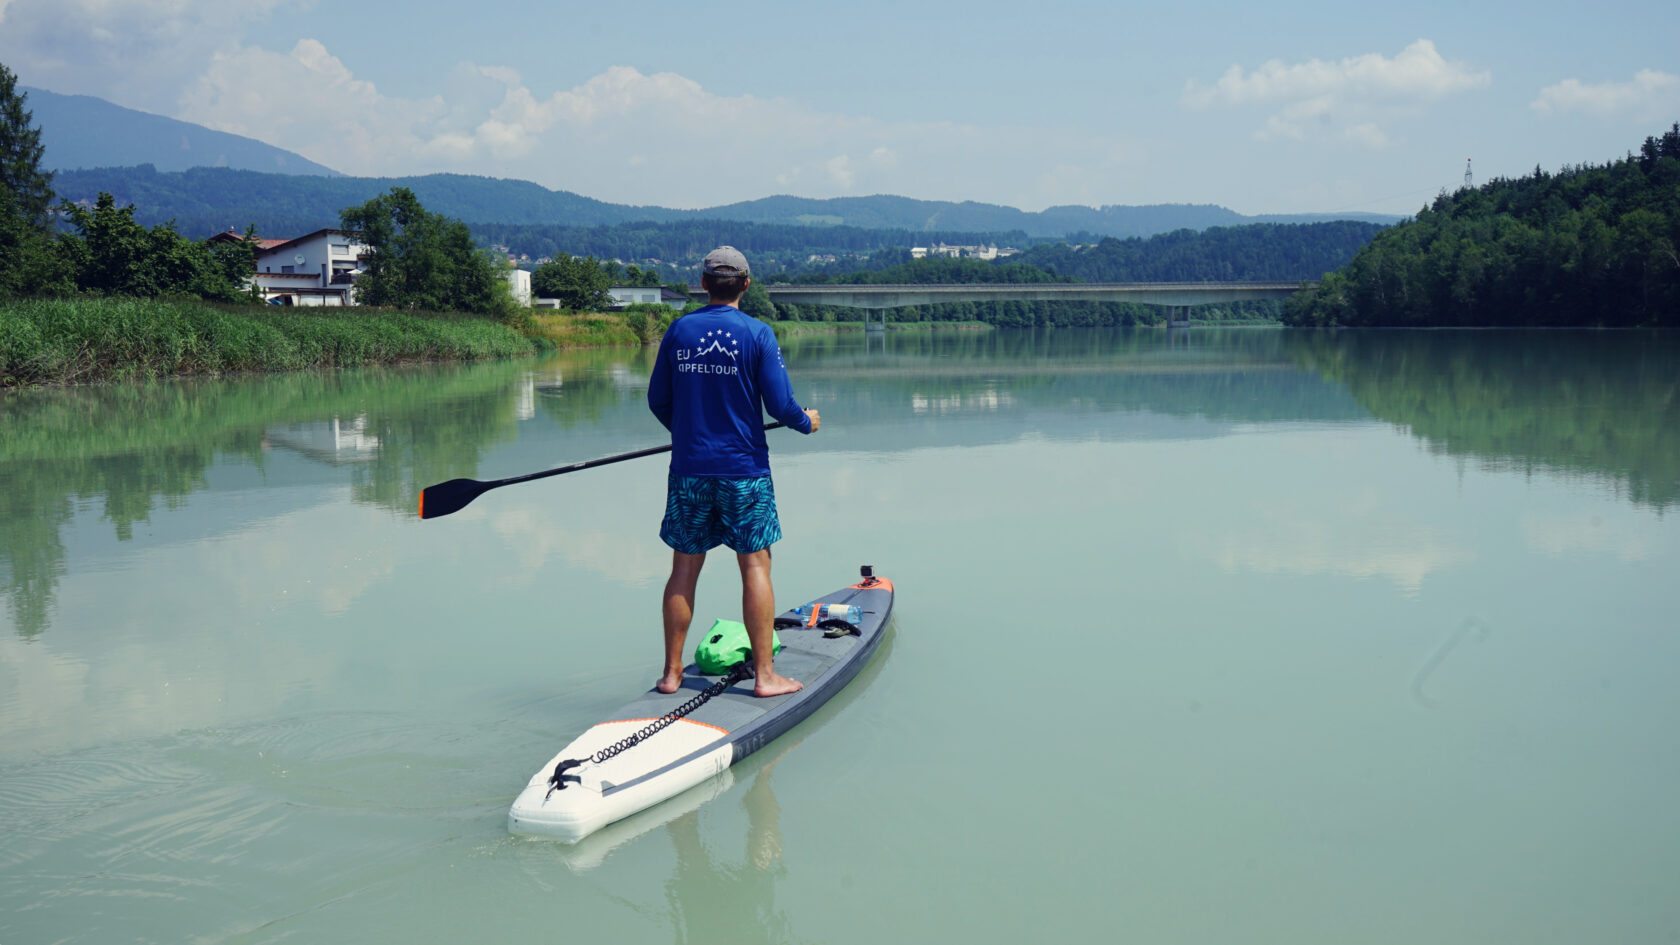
x=1204 y=637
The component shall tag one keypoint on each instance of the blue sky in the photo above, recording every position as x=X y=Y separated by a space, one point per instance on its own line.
x=1287 y=108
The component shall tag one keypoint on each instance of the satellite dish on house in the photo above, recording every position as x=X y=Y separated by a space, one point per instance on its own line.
x=300 y=259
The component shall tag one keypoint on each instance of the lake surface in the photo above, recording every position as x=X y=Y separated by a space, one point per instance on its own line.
x=1203 y=636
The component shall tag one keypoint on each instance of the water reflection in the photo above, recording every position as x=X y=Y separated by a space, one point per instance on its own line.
x=717 y=899
x=336 y=441
x=1599 y=403
x=125 y=450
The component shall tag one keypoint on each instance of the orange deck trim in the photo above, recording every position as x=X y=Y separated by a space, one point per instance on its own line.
x=689 y=721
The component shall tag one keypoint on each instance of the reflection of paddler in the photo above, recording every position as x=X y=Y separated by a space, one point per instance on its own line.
x=716 y=903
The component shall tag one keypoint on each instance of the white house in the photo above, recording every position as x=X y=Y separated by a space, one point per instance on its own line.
x=519 y=280
x=318 y=269
x=623 y=295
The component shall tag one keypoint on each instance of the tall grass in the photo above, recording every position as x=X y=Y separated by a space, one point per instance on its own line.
x=57 y=341
x=593 y=329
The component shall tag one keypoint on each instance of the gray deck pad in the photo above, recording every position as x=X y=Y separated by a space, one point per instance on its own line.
x=823 y=663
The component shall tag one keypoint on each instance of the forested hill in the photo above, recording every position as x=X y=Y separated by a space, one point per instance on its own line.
x=674 y=248
x=83 y=131
x=883 y=211
x=207 y=200
x=1262 y=252
x=1592 y=245
x=1259 y=252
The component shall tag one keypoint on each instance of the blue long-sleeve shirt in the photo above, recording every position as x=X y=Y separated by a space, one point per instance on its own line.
x=718 y=371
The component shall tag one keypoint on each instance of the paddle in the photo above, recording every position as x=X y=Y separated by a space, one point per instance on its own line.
x=454 y=495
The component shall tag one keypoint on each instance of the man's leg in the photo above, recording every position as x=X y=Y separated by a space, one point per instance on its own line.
x=679 y=611
x=758 y=611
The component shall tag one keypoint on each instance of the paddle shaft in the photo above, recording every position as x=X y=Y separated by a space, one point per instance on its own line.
x=592 y=463
x=454 y=495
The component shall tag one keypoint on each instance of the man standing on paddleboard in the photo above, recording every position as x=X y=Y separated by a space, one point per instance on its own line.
x=718 y=371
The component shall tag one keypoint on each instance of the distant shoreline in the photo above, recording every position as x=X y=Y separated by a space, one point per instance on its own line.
x=63 y=342
x=787 y=329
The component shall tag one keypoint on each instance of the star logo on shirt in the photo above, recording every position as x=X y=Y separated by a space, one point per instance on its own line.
x=719 y=339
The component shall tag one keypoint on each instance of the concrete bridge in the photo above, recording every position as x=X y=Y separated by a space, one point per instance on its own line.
x=1166 y=294
x=1176 y=297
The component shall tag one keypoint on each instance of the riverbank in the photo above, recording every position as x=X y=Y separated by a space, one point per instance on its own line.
x=597 y=329
x=800 y=329
x=75 y=341
x=612 y=329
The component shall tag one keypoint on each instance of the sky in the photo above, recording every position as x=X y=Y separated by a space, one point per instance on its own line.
x=1287 y=107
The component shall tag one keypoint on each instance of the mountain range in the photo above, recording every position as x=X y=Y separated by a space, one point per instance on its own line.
x=83 y=131
x=209 y=181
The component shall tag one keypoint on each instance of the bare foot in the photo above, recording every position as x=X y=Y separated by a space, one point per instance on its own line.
x=669 y=683
x=775 y=684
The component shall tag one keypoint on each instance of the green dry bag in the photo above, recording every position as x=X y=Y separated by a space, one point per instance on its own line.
x=725 y=645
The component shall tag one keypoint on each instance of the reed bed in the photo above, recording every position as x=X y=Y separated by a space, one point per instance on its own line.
x=71 y=341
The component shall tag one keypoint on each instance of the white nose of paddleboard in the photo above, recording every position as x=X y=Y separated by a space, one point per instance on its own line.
x=621 y=785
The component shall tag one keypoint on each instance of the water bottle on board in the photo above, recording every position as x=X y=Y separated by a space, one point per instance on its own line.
x=851 y=613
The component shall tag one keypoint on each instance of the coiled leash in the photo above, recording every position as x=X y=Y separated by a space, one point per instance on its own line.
x=558 y=780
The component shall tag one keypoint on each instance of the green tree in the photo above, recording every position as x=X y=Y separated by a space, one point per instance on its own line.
x=579 y=282
x=111 y=254
x=637 y=276
x=28 y=263
x=1590 y=245
x=757 y=302
x=20 y=156
x=418 y=259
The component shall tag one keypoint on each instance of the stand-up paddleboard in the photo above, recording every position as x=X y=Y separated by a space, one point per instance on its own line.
x=613 y=780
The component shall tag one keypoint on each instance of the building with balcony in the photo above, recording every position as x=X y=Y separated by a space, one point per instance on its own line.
x=317 y=269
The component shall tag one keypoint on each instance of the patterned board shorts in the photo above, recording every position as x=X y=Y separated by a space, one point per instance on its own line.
x=702 y=512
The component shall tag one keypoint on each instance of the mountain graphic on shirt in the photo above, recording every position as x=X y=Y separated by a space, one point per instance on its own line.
x=718 y=339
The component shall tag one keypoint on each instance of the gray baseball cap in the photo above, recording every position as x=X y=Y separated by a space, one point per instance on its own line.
x=726 y=261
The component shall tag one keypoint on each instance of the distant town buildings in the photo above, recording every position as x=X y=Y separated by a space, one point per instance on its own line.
x=987 y=252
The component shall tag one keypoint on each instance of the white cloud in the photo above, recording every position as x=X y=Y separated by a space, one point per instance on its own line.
x=307 y=100
x=1651 y=95
x=1347 y=97
x=621 y=135
x=688 y=146
x=137 y=53
x=1288 y=538
x=1418 y=72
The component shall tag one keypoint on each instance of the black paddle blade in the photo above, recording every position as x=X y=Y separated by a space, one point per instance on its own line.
x=451 y=496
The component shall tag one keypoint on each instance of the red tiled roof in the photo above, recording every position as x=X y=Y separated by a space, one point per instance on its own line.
x=299 y=239
x=232 y=236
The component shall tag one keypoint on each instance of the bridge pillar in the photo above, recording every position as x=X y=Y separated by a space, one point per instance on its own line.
x=869 y=323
